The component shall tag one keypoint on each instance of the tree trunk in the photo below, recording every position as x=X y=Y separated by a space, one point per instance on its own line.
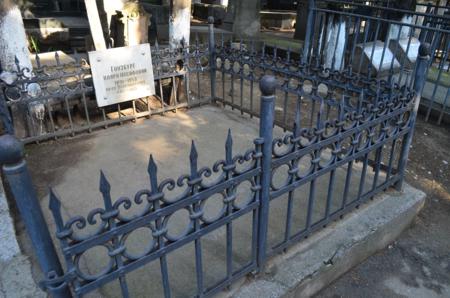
x=13 y=41
x=14 y=54
x=179 y=23
x=247 y=22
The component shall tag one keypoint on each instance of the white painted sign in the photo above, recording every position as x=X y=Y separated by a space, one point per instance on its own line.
x=122 y=74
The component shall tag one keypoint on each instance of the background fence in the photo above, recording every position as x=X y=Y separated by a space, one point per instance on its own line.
x=59 y=100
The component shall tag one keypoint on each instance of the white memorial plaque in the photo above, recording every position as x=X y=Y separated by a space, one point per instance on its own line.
x=122 y=74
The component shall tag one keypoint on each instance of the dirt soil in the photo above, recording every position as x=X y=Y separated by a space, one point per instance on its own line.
x=418 y=263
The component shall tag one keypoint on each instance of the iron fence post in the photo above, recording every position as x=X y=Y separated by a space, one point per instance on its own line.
x=309 y=30
x=212 y=57
x=419 y=83
x=267 y=86
x=18 y=179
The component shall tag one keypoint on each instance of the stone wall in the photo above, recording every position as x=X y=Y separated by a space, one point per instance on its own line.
x=16 y=279
x=9 y=248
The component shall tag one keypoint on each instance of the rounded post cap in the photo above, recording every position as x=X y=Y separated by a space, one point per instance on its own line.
x=210 y=20
x=424 y=49
x=268 y=84
x=11 y=150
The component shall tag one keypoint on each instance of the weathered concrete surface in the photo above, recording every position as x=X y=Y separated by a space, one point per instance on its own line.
x=316 y=262
x=16 y=280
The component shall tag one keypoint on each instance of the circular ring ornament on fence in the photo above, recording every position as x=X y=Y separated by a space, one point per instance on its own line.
x=330 y=129
x=280 y=176
x=378 y=133
x=364 y=139
x=245 y=194
x=405 y=120
x=304 y=165
x=34 y=89
x=327 y=156
x=178 y=224
x=138 y=237
x=213 y=208
x=91 y=262
x=13 y=93
x=219 y=63
x=227 y=64
x=345 y=147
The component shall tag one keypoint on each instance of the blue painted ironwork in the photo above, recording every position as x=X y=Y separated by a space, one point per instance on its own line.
x=267 y=86
x=374 y=121
x=17 y=177
x=342 y=122
x=112 y=226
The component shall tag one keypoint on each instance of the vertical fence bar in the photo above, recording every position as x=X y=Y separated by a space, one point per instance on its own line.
x=309 y=31
x=419 y=83
x=212 y=57
x=267 y=86
x=18 y=178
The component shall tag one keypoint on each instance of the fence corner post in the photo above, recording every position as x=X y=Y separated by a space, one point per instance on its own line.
x=17 y=177
x=212 y=57
x=267 y=85
x=419 y=82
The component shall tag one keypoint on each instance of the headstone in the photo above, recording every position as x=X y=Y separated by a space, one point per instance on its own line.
x=379 y=63
x=334 y=44
x=122 y=74
x=407 y=55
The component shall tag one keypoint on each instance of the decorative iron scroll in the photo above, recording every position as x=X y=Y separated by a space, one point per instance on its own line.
x=110 y=226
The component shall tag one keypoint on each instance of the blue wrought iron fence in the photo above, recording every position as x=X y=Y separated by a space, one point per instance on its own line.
x=347 y=122
x=374 y=122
